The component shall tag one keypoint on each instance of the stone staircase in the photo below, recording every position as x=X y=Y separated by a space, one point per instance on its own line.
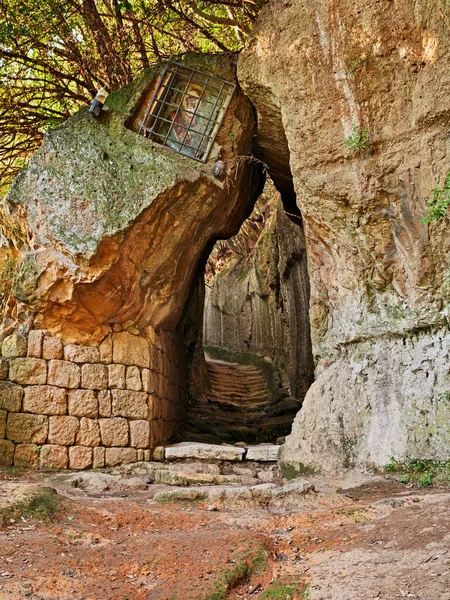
x=191 y=471
x=239 y=408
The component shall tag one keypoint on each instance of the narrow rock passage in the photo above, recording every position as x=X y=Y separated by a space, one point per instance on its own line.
x=238 y=408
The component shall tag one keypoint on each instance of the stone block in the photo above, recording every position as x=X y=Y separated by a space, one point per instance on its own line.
x=157 y=360
x=120 y=456
x=147 y=454
x=88 y=433
x=26 y=455
x=25 y=428
x=140 y=455
x=63 y=430
x=52 y=348
x=3 y=415
x=106 y=351
x=45 y=400
x=6 y=453
x=80 y=457
x=160 y=432
x=35 y=340
x=159 y=385
x=4 y=369
x=168 y=410
x=114 y=431
x=263 y=452
x=133 y=379
x=98 y=458
x=159 y=454
x=172 y=393
x=104 y=403
x=203 y=451
x=63 y=374
x=148 y=381
x=117 y=375
x=81 y=354
x=15 y=345
x=139 y=434
x=10 y=396
x=53 y=457
x=182 y=478
x=94 y=376
x=31 y=371
x=126 y=403
x=83 y=403
x=154 y=407
x=130 y=349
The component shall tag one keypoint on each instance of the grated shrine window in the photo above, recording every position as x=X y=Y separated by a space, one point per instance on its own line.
x=187 y=110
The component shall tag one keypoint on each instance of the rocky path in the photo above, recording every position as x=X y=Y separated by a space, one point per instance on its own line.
x=239 y=407
x=121 y=534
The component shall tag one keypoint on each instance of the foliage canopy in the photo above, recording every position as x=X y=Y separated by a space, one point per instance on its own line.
x=54 y=55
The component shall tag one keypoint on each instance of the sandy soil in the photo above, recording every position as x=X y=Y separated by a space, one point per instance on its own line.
x=380 y=540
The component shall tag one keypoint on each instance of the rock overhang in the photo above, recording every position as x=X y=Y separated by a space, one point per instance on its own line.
x=109 y=212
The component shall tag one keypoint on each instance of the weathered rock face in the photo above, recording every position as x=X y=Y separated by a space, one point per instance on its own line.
x=262 y=307
x=110 y=231
x=117 y=225
x=378 y=275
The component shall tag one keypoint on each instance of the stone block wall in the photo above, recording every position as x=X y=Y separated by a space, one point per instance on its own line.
x=70 y=406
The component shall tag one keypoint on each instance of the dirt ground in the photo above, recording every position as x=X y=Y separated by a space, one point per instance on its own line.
x=374 y=539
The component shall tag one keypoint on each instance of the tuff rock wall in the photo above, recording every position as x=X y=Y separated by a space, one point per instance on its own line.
x=379 y=276
x=262 y=307
x=108 y=232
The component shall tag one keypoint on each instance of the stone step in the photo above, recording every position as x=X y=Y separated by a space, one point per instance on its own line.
x=201 y=451
x=188 y=478
x=265 y=492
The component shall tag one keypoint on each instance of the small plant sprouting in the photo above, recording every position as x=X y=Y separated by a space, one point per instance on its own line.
x=437 y=207
x=355 y=64
x=391 y=466
x=425 y=480
x=358 y=140
x=421 y=472
x=444 y=397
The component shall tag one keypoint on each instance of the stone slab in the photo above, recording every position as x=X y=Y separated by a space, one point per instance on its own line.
x=262 y=453
x=203 y=451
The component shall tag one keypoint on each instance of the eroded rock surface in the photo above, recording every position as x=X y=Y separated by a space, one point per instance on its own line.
x=110 y=232
x=262 y=307
x=378 y=274
x=116 y=225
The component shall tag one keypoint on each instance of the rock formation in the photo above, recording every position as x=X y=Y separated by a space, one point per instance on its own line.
x=331 y=74
x=110 y=231
x=262 y=307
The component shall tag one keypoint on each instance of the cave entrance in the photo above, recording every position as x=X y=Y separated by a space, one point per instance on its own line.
x=256 y=335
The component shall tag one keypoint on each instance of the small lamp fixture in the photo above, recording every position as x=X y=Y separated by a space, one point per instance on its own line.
x=97 y=103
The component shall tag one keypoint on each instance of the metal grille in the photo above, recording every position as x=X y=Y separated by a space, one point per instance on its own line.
x=186 y=110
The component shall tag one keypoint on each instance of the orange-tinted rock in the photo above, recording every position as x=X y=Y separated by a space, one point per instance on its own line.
x=80 y=457
x=53 y=457
x=63 y=430
x=45 y=400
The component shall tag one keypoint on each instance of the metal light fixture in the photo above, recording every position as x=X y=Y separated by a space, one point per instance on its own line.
x=97 y=103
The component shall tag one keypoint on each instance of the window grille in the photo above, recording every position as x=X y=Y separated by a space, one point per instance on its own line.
x=186 y=110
